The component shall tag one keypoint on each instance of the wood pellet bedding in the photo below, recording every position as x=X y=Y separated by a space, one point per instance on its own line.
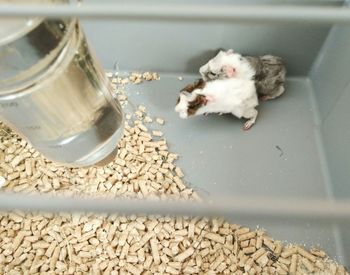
x=38 y=243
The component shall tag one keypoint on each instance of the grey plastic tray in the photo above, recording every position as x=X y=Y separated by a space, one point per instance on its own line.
x=309 y=124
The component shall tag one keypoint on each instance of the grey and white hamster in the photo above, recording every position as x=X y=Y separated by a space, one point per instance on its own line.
x=267 y=71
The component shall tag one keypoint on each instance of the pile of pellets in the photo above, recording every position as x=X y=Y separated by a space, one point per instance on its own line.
x=40 y=243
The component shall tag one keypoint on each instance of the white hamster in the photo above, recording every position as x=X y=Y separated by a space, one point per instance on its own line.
x=230 y=95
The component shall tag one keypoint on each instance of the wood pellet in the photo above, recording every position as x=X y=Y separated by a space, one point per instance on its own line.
x=33 y=243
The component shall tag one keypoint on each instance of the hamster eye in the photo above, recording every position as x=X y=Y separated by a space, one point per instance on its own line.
x=213 y=74
x=241 y=58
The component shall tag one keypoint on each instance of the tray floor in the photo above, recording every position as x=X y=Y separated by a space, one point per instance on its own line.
x=279 y=156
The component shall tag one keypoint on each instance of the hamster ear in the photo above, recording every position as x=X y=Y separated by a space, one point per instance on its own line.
x=200 y=81
x=229 y=70
x=222 y=52
x=230 y=51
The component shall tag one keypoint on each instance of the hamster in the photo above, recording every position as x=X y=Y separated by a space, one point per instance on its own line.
x=230 y=95
x=267 y=71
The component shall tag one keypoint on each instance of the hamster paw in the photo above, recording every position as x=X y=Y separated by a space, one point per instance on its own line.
x=279 y=91
x=248 y=124
x=266 y=97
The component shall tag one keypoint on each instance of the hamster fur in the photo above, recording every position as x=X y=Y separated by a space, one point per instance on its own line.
x=227 y=64
x=268 y=71
x=230 y=95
